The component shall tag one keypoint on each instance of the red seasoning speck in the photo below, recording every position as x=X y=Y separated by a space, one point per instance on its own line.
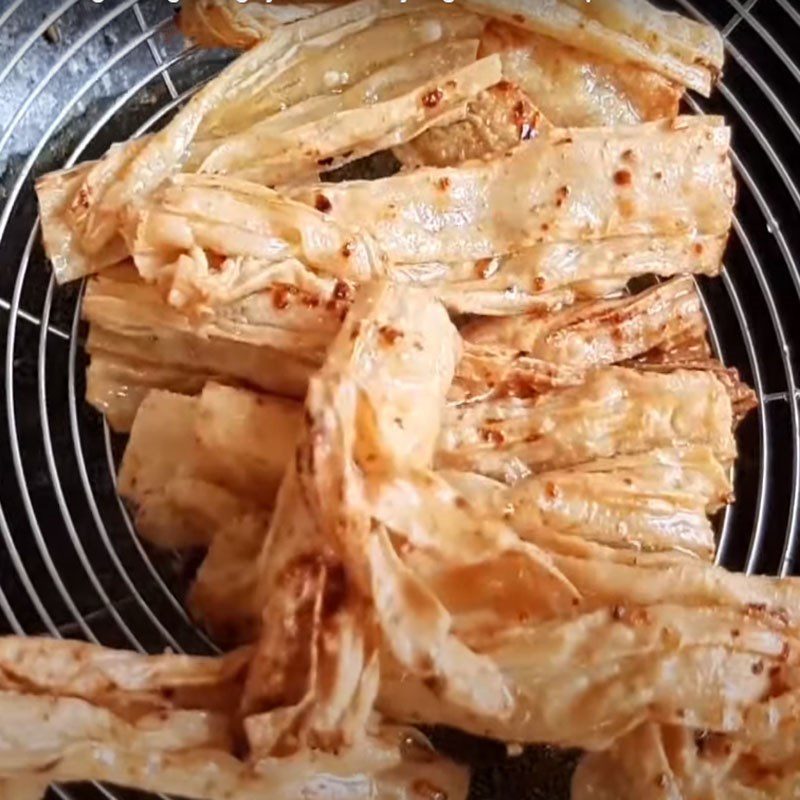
x=432 y=98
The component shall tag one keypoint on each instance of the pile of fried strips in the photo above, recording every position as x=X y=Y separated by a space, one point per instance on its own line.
x=452 y=438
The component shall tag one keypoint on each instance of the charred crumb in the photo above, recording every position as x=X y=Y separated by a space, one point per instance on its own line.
x=492 y=436
x=322 y=203
x=342 y=290
x=389 y=335
x=484 y=268
x=562 y=193
x=325 y=162
x=623 y=177
x=444 y=183
x=712 y=745
x=281 y=295
x=432 y=98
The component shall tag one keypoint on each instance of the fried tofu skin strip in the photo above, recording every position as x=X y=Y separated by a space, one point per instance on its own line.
x=217 y=23
x=324 y=559
x=627 y=32
x=602 y=332
x=549 y=220
x=655 y=501
x=360 y=470
x=653 y=762
x=54 y=739
x=626 y=665
x=294 y=105
x=574 y=88
x=615 y=411
x=643 y=180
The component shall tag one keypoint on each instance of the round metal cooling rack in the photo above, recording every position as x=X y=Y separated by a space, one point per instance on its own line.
x=76 y=76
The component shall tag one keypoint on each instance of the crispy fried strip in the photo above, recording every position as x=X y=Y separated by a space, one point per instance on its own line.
x=708 y=667
x=325 y=570
x=688 y=764
x=46 y=739
x=291 y=70
x=574 y=88
x=352 y=133
x=626 y=32
x=615 y=411
x=223 y=595
x=218 y=23
x=602 y=332
x=129 y=684
x=654 y=501
x=662 y=178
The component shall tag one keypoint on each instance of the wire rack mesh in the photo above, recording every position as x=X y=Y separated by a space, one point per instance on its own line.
x=75 y=77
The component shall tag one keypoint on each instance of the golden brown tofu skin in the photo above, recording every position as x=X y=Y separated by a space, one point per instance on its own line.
x=574 y=88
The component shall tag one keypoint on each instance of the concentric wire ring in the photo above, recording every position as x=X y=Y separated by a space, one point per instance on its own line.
x=70 y=561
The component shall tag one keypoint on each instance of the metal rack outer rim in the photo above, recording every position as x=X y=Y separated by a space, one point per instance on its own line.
x=793 y=398
x=57 y=579
x=161 y=71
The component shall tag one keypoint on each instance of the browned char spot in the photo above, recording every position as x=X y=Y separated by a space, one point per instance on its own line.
x=432 y=98
x=623 y=177
x=322 y=203
x=342 y=291
x=389 y=335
